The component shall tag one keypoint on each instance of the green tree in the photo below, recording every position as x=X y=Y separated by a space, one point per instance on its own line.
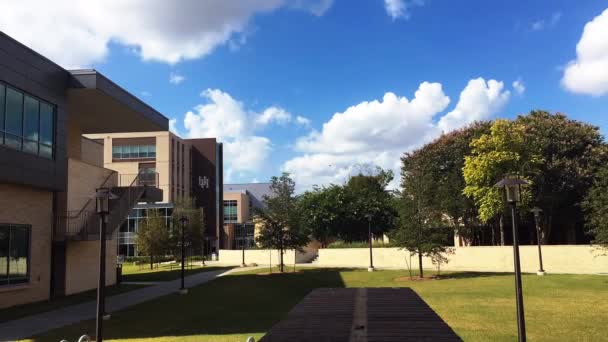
x=443 y=160
x=366 y=193
x=152 y=236
x=323 y=213
x=280 y=219
x=421 y=229
x=504 y=151
x=194 y=232
x=572 y=152
x=595 y=207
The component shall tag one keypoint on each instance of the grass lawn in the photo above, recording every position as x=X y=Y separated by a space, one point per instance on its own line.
x=166 y=272
x=44 y=306
x=478 y=306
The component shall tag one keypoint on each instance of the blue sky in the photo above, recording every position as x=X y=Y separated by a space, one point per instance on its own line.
x=316 y=87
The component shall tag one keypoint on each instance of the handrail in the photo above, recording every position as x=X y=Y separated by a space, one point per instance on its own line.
x=90 y=200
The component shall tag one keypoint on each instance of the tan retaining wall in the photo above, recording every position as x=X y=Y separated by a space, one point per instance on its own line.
x=556 y=259
x=262 y=256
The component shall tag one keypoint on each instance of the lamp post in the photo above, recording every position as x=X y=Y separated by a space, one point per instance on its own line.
x=512 y=193
x=183 y=221
x=537 y=211
x=369 y=237
x=102 y=207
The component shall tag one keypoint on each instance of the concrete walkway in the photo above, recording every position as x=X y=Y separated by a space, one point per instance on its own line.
x=40 y=323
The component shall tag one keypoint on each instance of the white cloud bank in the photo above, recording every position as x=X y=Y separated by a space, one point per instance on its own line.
x=78 y=33
x=227 y=119
x=588 y=74
x=379 y=131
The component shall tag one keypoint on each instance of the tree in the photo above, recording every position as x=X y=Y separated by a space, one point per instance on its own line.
x=421 y=230
x=152 y=236
x=504 y=151
x=572 y=152
x=366 y=193
x=594 y=206
x=323 y=213
x=281 y=220
x=194 y=232
x=443 y=160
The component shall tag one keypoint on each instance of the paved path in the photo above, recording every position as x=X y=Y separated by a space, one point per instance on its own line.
x=37 y=324
x=361 y=315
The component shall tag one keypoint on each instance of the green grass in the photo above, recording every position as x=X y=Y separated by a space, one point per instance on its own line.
x=166 y=272
x=478 y=306
x=20 y=311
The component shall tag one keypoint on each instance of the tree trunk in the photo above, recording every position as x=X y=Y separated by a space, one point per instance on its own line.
x=501 y=225
x=151 y=262
x=281 y=262
x=420 y=263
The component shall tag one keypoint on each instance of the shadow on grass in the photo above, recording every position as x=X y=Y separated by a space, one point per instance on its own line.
x=466 y=275
x=239 y=303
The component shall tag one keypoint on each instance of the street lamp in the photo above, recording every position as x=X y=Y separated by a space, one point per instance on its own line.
x=369 y=237
x=512 y=193
x=183 y=221
x=102 y=207
x=537 y=211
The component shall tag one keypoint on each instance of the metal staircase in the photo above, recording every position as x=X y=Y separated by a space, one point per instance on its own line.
x=84 y=224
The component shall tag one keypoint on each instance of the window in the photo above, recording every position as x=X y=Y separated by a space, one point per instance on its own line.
x=230 y=211
x=14 y=254
x=133 y=151
x=26 y=123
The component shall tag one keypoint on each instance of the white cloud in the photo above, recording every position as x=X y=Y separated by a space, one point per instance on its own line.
x=225 y=118
x=303 y=121
x=173 y=126
x=379 y=131
x=175 y=78
x=546 y=23
x=400 y=8
x=77 y=33
x=588 y=74
x=478 y=101
x=519 y=87
x=273 y=114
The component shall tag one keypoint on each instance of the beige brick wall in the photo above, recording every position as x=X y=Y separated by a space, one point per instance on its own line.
x=242 y=205
x=82 y=264
x=25 y=205
x=92 y=152
x=83 y=180
x=556 y=259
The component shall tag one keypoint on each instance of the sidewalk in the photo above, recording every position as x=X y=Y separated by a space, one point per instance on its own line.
x=37 y=324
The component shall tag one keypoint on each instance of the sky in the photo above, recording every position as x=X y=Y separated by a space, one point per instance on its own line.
x=318 y=88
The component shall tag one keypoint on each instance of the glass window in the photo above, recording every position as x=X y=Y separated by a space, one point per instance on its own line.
x=230 y=211
x=30 y=124
x=126 y=152
x=152 y=151
x=134 y=152
x=13 y=118
x=116 y=152
x=143 y=151
x=14 y=254
x=2 y=90
x=47 y=129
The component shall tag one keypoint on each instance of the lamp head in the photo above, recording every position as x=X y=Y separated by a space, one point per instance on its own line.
x=102 y=200
x=512 y=188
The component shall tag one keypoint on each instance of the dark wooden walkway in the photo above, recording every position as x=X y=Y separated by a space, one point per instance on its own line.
x=361 y=315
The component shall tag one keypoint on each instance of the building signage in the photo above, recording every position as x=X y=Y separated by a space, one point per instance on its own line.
x=203 y=182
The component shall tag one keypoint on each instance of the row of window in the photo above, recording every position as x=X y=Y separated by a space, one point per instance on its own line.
x=26 y=123
x=128 y=230
x=133 y=151
x=230 y=211
x=14 y=254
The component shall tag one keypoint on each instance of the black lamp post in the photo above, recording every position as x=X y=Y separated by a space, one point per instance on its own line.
x=537 y=211
x=183 y=221
x=102 y=206
x=512 y=193
x=369 y=237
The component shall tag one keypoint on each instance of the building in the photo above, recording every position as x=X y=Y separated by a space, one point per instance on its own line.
x=49 y=231
x=179 y=167
x=240 y=202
